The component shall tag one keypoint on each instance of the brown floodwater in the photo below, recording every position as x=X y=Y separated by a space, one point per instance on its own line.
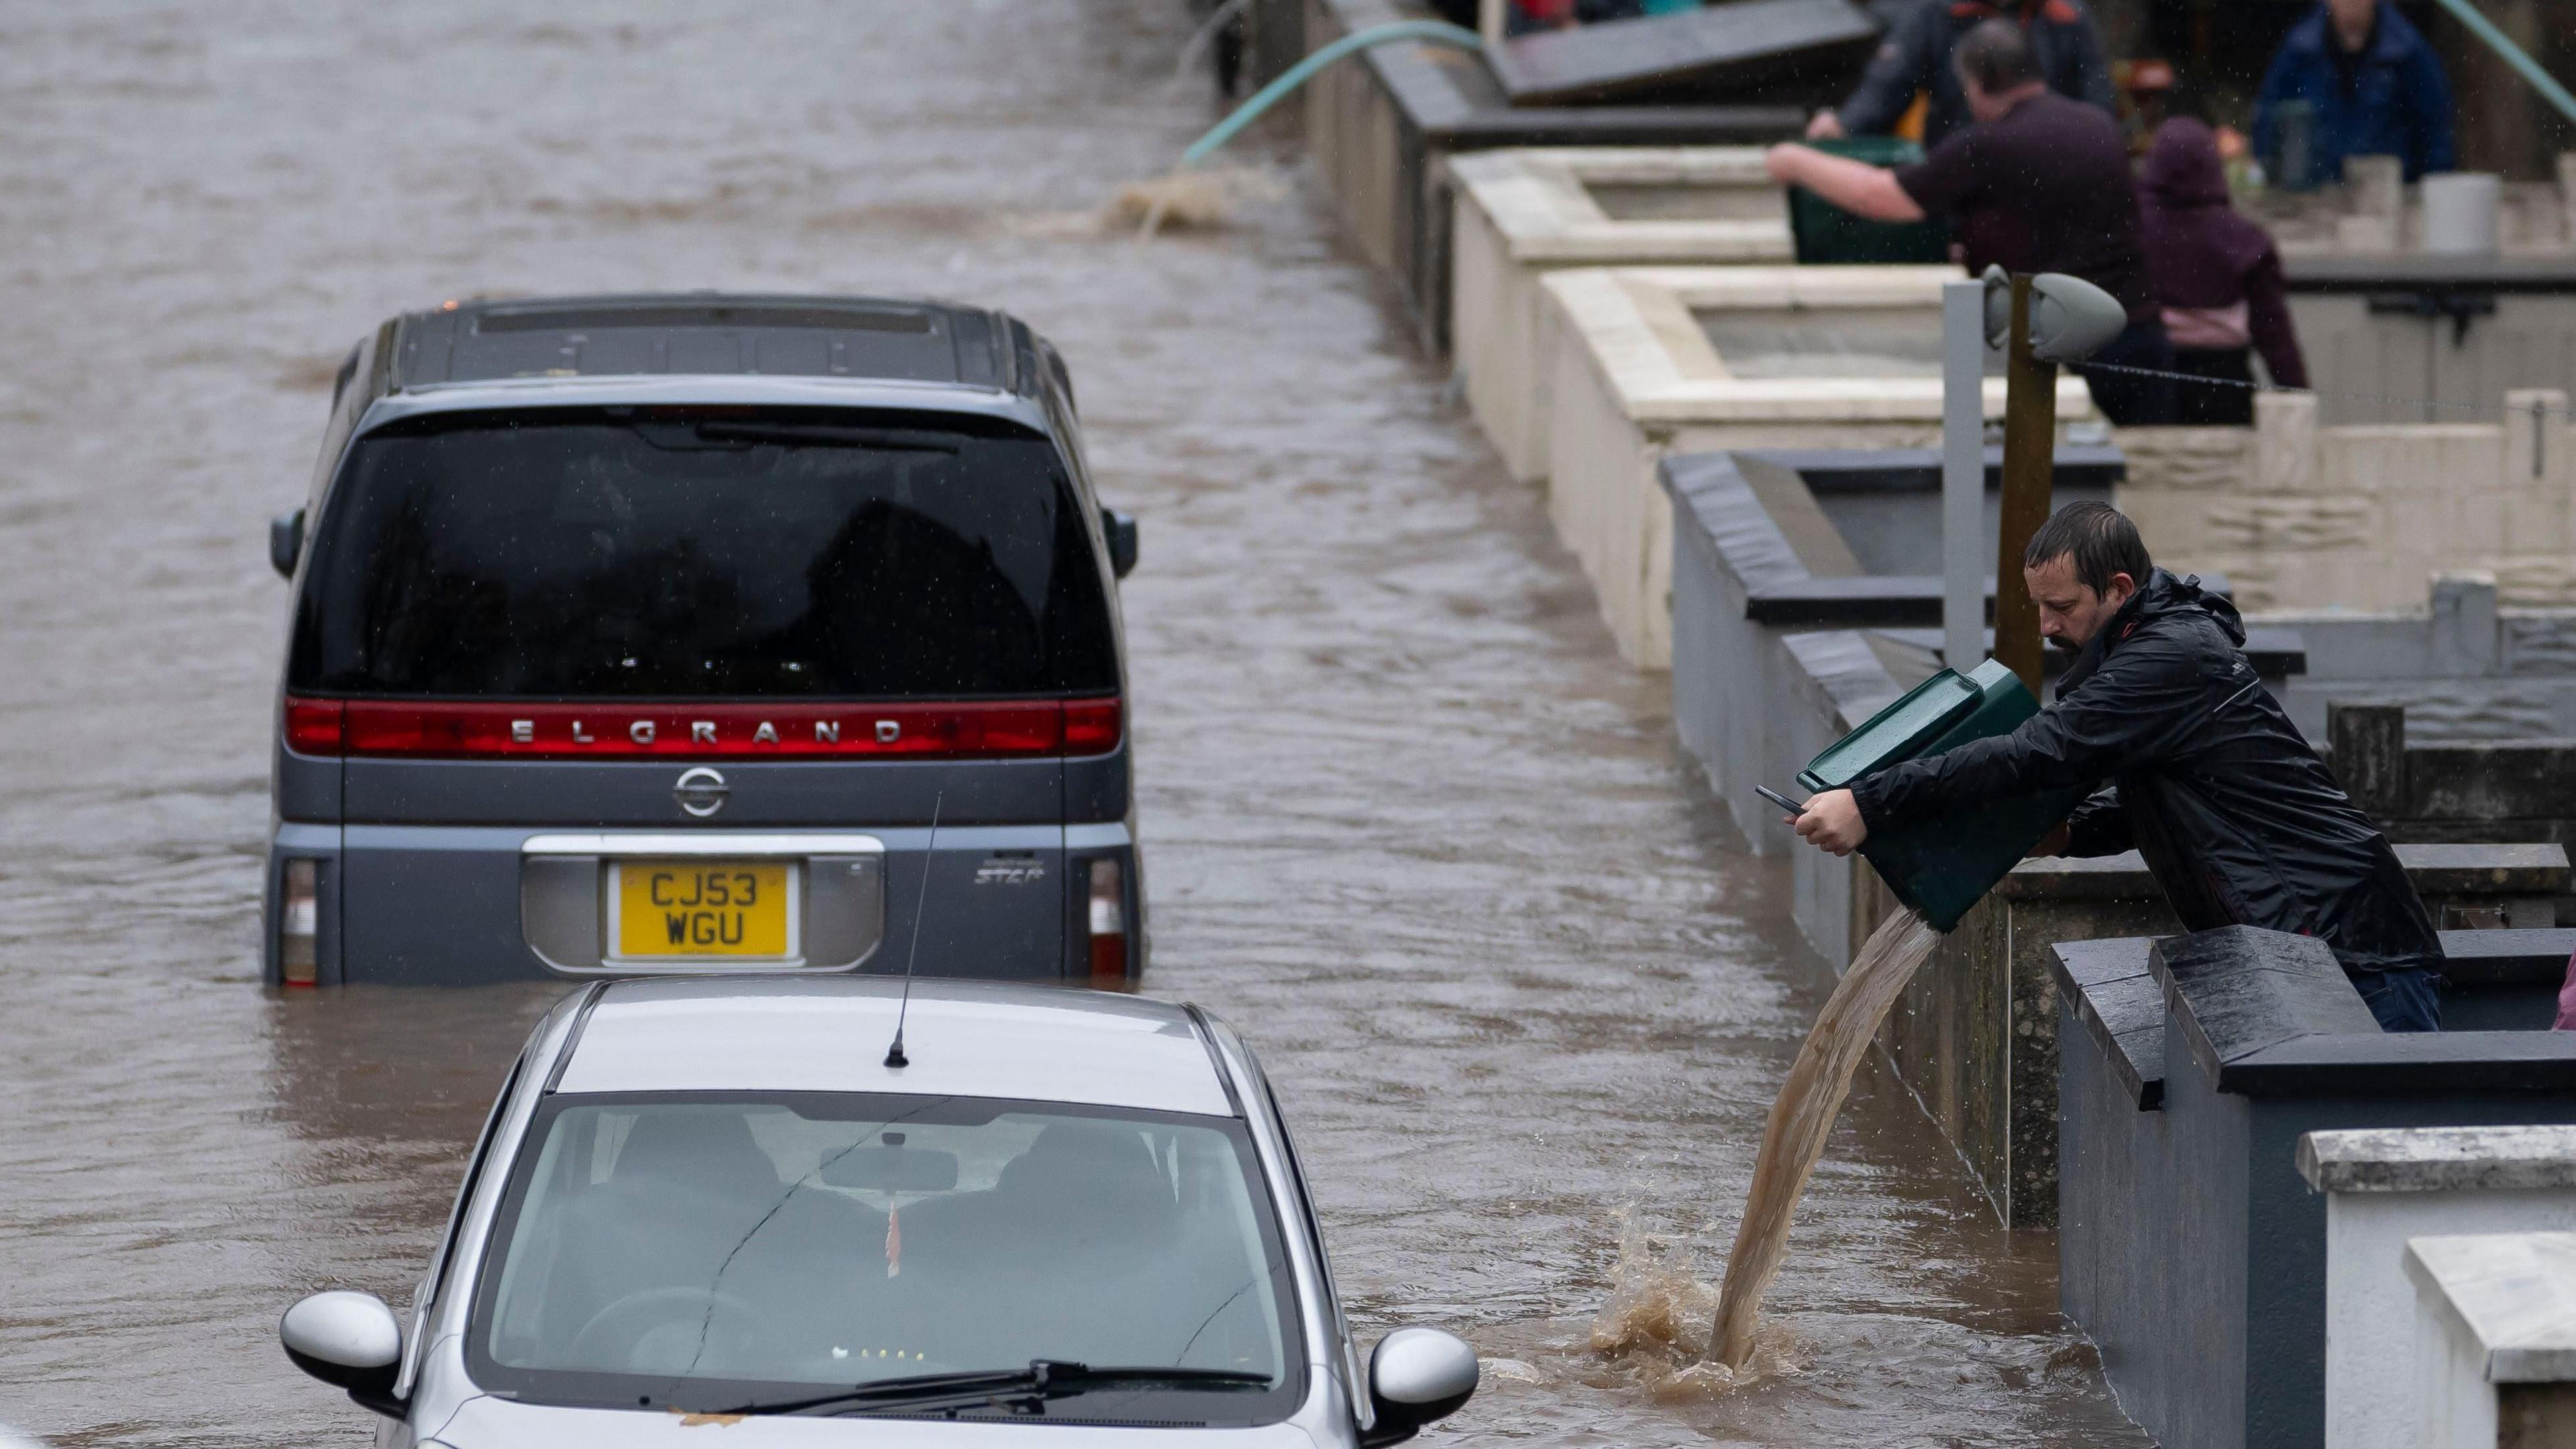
x=1413 y=827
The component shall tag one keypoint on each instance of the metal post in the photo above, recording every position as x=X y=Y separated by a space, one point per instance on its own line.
x=1489 y=20
x=2030 y=463
x=1963 y=474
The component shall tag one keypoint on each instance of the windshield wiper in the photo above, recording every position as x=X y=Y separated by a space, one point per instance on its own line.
x=1043 y=1379
x=900 y=440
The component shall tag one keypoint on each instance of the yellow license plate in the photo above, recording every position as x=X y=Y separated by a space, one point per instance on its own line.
x=704 y=909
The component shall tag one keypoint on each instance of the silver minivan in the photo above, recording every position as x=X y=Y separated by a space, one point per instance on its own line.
x=715 y=1202
x=656 y=633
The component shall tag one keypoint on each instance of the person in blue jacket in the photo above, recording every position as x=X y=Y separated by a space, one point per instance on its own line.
x=2372 y=87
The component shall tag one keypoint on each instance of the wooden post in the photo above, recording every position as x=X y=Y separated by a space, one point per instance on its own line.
x=2030 y=465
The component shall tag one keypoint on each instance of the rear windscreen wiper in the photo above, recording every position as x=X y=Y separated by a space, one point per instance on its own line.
x=1042 y=1379
x=842 y=435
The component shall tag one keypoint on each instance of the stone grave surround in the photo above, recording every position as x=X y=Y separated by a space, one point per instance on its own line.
x=1380 y=125
x=1632 y=375
x=1976 y=1032
x=2495 y=1341
x=2305 y=517
x=2190 y=1249
x=1524 y=212
x=2384 y=1186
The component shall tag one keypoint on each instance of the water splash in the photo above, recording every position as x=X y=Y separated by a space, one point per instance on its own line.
x=1658 y=1317
x=1803 y=1117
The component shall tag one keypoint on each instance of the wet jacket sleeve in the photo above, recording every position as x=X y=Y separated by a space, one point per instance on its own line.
x=2143 y=703
x=1902 y=66
x=2267 y=306
x=2099 y=826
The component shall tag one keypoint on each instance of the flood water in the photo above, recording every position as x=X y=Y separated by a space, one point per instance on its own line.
x=1413 y=827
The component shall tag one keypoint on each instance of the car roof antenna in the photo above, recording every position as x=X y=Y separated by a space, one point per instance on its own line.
x=929 y=855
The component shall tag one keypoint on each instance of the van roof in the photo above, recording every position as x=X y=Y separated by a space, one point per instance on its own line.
x=710 y=334
x=829 y=1034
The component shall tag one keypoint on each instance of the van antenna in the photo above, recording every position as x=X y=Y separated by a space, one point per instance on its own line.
x=929 y=854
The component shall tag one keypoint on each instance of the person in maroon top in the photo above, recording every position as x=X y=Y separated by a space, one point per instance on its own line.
x=2217 y=277
x=2040 y=184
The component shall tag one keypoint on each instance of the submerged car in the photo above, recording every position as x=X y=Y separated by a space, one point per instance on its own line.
x=656 y=633
x=703 y=1199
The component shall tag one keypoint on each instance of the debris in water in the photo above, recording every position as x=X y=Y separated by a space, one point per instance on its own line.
x=1199 y=199
x=1803 y=1117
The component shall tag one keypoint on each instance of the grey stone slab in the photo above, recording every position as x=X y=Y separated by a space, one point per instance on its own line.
x=2397 y=1065
x=2352 y=272
x=2486 y=869
x=2487 y=780
x=2439 y=1159
x=2238 y=990
x=2513 y=1294
x=1710 y=47
x=2490 y=958
x=2115 y=997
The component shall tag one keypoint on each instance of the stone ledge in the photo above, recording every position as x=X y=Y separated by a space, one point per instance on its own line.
x=2513 y=1294
x=2436 y=869
x=2439 y=1159
x=2110 y=987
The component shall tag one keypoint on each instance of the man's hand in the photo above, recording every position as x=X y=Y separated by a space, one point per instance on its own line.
x=1832 y=822
x=1786 y=162
x=1827 y=126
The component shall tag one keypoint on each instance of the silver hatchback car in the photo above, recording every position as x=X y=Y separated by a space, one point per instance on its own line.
x=715 y=1201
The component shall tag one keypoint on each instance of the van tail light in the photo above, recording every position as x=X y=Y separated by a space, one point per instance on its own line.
x=298 y=923
x=505 y=729
x=1108 y=924
x=1091 y=726
x=313 y=726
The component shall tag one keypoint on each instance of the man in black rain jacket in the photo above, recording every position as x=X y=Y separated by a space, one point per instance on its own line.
x=2240 y=821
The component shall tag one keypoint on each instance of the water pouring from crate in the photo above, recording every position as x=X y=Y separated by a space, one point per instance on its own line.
x=1936 y=870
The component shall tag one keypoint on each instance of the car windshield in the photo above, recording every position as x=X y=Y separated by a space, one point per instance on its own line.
x=694 y=554
x=718 y=1251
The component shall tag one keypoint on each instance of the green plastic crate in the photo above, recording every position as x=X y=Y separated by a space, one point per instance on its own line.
x=1827 y=235
x=1943 y=867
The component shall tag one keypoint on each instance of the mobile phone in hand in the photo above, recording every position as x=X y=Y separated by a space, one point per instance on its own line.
x=1776 y=798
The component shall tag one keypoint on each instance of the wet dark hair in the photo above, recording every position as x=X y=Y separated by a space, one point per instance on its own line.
x=2100 y=539
x=1995 y=56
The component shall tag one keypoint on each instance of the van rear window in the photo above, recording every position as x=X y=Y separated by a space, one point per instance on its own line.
x=683 y=555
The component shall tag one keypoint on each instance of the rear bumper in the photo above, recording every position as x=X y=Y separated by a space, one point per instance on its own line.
x=455 y=905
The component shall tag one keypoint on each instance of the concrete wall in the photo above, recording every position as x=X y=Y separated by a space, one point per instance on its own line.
x=2463 y=667
x=2492 y=1320
x=1633 y=377
x=2190 y=1249
x=2383 y=1188
x=1521 y=213
x=1380 y=125
x=2304 y=517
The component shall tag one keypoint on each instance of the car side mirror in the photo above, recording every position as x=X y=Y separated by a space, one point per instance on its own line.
x=1417 y=1376
x=286 y=542
x=1121 y=529
x=349 y=1341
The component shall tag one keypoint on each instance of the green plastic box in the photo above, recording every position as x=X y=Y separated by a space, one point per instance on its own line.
x=1827 y=235
x=1942 y=867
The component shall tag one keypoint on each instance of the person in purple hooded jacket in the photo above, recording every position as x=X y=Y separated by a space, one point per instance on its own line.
x=2217 y=278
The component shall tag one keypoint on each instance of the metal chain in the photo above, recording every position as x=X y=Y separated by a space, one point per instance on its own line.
x=2541 y=410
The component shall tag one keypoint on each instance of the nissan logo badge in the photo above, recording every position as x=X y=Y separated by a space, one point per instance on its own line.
x=701 y=791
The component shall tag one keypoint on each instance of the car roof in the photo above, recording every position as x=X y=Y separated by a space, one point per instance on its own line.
x=830 y=1033
x=709 y=334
